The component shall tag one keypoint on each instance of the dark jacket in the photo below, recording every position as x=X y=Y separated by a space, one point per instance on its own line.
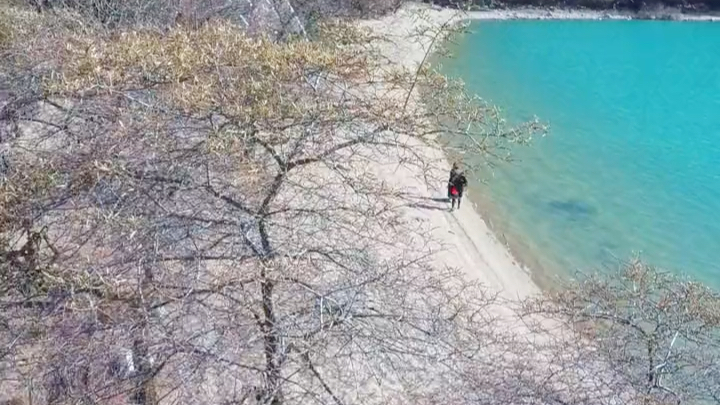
x=459 y=181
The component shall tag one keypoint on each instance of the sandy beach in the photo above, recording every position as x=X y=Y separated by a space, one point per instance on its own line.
x=468 y=242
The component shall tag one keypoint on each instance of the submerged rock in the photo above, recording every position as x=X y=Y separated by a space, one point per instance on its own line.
x=572 y=209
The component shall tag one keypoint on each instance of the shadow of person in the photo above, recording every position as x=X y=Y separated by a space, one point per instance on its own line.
x=427 y=207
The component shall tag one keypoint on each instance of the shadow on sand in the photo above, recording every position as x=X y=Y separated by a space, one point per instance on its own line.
x=439 y=199
x=438 y=207
x=428 y=207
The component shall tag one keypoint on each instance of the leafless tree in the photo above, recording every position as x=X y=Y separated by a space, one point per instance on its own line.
x=192 y=216
x=656 y=334
x=274 y=17
x=195 y=216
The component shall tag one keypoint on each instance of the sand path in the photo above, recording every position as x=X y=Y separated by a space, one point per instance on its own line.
x=468 y=242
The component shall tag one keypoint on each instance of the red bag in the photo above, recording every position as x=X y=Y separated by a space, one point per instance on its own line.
x=453 y=191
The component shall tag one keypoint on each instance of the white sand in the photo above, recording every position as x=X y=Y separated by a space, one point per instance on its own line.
x=468 y=243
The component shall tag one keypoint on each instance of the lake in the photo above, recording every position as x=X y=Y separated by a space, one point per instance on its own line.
x=631 y=164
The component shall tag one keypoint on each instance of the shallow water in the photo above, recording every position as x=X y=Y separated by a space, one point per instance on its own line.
x=632 y=161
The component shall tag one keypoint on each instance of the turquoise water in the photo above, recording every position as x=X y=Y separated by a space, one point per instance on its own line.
x=632 y=161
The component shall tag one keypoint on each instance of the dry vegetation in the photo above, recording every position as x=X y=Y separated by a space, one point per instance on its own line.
x=191 y=215
x=188 y=218
x=657 y=333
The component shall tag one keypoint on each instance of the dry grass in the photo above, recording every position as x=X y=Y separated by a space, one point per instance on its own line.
x=6 y=33
x=14 y=22
x=35 y=37
x=213 y=66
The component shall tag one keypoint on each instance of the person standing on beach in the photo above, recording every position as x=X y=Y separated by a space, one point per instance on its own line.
x=453 y=171
x=458 y=183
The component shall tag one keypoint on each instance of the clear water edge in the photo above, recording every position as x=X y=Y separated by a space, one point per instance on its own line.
x=543 y=272
x=584 y=226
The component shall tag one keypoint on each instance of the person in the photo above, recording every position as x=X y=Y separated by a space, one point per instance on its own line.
x=453 y=172
x=458 y=183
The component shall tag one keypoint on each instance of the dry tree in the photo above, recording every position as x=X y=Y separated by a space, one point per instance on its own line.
x=196 y=216
x=652 y=336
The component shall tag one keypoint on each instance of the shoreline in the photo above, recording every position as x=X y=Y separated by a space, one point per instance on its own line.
x=536 y=13
x=544 y=272
x=469 y=243
x=496 y=257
